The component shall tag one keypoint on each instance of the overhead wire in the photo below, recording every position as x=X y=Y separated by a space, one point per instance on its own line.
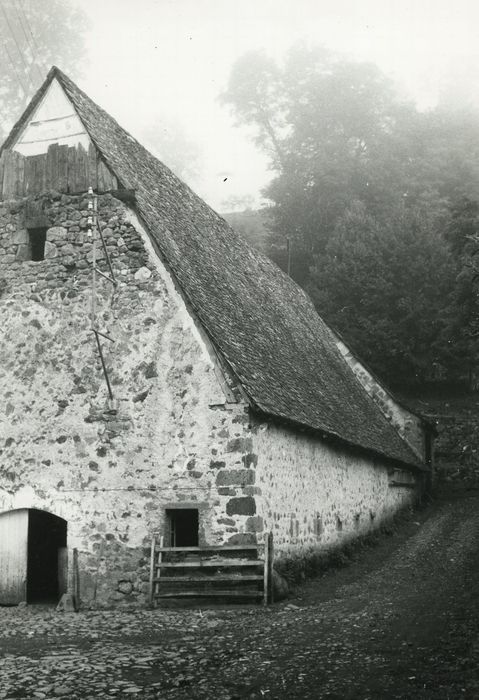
x=27 y=22
x=33 y=43
x=22 y=58
x=14 y=68
x=32 y=64
x=28 y=41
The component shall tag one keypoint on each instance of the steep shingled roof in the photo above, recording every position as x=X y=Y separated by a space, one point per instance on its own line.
x=260 y=321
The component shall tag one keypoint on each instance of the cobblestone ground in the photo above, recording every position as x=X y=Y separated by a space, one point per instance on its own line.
x=401 y=622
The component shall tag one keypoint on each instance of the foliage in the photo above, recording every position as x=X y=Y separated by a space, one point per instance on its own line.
x=377 y=203
x=251 y=224
x=255 y=89
x=462 y=236
x=370 y=284
x=34 y=35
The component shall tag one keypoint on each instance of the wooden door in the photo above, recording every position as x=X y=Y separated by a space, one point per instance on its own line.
x=13 y=556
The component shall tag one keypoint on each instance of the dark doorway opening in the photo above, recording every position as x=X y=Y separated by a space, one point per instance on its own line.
x=46 y=557
x=183 y=527
x=37 y=240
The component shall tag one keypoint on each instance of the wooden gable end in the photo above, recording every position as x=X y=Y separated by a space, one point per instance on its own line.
x=52 y=150
x=67 y=169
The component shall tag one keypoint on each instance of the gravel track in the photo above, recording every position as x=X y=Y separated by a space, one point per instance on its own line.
x=402 y=621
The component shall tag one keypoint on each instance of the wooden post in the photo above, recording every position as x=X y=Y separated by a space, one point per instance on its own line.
x=62 y=570
x=152 y=571
x=266 y=570
x=158 y=564
x=100 y=557
x=288 y=250
x=270 y=567
x=76 y=580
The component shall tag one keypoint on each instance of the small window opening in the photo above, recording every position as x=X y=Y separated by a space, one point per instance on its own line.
x=183 y=525
x=37 y=240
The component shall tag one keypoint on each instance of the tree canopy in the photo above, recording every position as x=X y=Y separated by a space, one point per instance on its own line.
x=377 y=202
x=384 y=285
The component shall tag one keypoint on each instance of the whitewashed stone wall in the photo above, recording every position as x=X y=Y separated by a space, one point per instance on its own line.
x=315 y=496
x=175 y=433
x=178 y=431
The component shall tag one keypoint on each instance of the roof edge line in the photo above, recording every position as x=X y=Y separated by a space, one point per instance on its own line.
x=192 y=310
x=331 y=436
x=427 y=423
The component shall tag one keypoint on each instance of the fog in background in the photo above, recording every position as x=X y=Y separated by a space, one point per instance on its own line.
x=159 y=65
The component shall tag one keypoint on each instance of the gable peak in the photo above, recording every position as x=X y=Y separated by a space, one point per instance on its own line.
x=53 y=119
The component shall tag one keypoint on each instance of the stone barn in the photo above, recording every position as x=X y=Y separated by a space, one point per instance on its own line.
x=160 y=377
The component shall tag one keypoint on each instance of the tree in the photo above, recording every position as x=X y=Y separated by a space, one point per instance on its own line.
x=256 y=93
x=462 y=235
x=387 y=286
x=34 y=35
x=250 y=224
x=322 y=120
x=363 y=195
x=337 y=132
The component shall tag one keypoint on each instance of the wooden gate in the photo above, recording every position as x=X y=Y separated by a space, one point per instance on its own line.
x=13 y=556
x=217 y=571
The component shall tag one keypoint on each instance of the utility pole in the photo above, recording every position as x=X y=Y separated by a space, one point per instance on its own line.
x=288 y=250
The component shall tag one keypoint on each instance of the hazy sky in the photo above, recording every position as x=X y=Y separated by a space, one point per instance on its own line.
x=166 y=61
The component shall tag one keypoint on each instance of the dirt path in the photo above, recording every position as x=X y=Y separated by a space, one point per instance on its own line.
x=401 y=622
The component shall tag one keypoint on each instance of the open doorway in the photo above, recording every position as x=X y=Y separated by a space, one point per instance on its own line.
x=33 y=556
x=182 y=527
x=46 y=557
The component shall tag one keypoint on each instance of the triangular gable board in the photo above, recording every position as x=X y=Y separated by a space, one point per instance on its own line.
x=50 y=149
x=55 y=120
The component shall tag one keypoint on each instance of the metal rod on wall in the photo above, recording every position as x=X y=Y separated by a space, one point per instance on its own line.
x=91 y=234
x=105 y=371
x=93 y=227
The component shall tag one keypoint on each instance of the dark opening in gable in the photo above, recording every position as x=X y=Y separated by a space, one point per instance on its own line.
x=37 y=240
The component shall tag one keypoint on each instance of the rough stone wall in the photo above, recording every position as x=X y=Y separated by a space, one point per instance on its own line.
x=408 y=425
x=315 y=496
x=176 y=433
